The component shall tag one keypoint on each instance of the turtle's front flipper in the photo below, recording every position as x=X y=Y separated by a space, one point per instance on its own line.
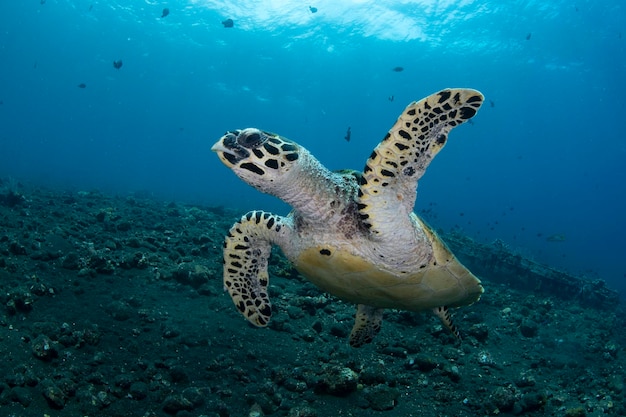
x=389 y=182
x=246 y=251
x=366 y=325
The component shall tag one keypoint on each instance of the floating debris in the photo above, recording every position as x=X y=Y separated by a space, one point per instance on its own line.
x=82 y=85
x=118 y=64
x=398 y=69
x=166 y=11
x=313 y=9
x=228 y=23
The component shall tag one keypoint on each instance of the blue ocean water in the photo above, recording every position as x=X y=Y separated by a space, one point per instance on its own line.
x=542 y=167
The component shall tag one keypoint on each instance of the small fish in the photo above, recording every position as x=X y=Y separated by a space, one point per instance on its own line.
x=556 y=238
x=166 y=11
x=228 y=23
x=313 y=9
x=82 y=85
x=398 y=69
x=390 y=98
x=528 y=36
x=117 y=64
x=348 y=135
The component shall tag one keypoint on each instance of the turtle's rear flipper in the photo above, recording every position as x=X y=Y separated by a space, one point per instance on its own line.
x=366 y=325
x=444 y=315
x=246 y=250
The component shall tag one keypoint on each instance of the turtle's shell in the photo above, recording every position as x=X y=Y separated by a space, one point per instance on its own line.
x=341 y=272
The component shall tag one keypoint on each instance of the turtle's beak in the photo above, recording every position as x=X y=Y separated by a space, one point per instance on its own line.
x=227 y=156
x=228 y=151
x=219 y=147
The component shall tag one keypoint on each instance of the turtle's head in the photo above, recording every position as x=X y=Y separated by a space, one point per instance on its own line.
x=261 y=159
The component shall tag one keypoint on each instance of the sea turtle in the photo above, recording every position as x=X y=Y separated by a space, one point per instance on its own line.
x=352 y=234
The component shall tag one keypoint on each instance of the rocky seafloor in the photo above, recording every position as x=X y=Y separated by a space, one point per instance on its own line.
x=113 y=306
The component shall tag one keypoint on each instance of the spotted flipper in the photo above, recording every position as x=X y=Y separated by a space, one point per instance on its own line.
x=366 y=325
x=389 y=184
x=444 y=315
x=246 y=251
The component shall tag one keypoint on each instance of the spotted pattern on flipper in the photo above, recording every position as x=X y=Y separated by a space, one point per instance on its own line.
x=444 y=315
x=247 y=248
x=367 y=323
x=390 y=176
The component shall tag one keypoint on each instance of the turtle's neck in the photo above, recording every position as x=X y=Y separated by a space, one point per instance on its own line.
x=316 y=193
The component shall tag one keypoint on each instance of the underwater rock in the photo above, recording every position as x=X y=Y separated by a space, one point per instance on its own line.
x=228 y=23
x=532 y=401
x=138 y=390
x=119 y=311
x=256 y=411
x=302 y=411
x=381 y=397
x=16 y=248
x=452 y=372
x=525 y=381
x=21 y=375
x=423 y=363
x=71 y=261
x=20 y=395
x=43 y=348
x=529 y=328
x=339 y=330
x=503 y=398
x=194 y=275
x=175 y=403
x=337 y=380
x=54 y=395
x=19 y=300
x=124 y=226
x=480 y=332
x=575 y=412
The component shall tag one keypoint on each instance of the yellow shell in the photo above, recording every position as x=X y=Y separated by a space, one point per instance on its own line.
x=353 y=278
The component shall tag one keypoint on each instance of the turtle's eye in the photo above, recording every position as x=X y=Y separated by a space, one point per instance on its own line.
x=230 y=139
x=250 y=139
